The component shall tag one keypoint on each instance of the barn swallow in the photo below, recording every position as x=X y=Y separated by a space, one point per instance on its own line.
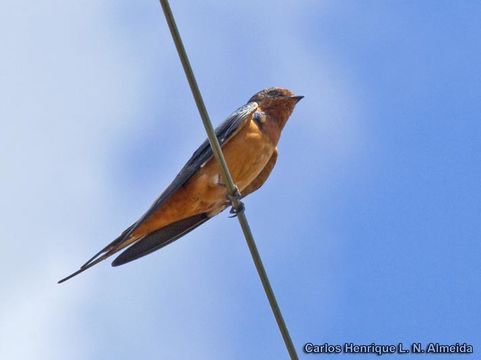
x=249 y=138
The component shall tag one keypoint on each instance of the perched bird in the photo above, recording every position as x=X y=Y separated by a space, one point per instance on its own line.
x=249 y=138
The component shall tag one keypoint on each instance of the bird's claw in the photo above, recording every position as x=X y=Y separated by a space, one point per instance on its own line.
x=235 y=211
x=235 y=199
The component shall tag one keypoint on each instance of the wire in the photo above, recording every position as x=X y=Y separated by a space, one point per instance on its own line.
x=234 y=196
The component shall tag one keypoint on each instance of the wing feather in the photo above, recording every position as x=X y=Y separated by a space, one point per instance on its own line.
x=224 y=132
x=203 y=154
x=160 y=238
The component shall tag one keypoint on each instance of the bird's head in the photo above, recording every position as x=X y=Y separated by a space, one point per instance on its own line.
x=277 y=102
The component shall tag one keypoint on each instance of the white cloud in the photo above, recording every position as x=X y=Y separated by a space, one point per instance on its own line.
x=64 y=99
x=74 y=88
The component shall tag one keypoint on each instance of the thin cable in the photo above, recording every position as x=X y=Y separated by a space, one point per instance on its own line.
x=231 y=187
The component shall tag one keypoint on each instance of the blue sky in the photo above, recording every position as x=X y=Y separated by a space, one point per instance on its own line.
x=369 y=226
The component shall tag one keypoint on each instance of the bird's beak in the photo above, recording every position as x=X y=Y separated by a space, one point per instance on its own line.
x=297 y=98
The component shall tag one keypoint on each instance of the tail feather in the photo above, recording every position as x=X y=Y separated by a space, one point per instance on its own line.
x=86 y=266
x=110 y=247
x=143 y=246
x=103 y=254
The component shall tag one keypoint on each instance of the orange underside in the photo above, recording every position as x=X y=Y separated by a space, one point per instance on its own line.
x=247 y=153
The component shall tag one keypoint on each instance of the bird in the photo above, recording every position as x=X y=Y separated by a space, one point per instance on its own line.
x=248 y=138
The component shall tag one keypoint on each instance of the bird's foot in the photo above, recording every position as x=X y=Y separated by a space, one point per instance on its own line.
x=237 y=206
x=235 y=212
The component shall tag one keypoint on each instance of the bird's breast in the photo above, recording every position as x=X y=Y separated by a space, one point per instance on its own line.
x=247 y=153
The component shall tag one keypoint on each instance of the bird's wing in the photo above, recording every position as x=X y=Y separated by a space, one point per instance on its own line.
x=160 y=238
x=224 y=133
